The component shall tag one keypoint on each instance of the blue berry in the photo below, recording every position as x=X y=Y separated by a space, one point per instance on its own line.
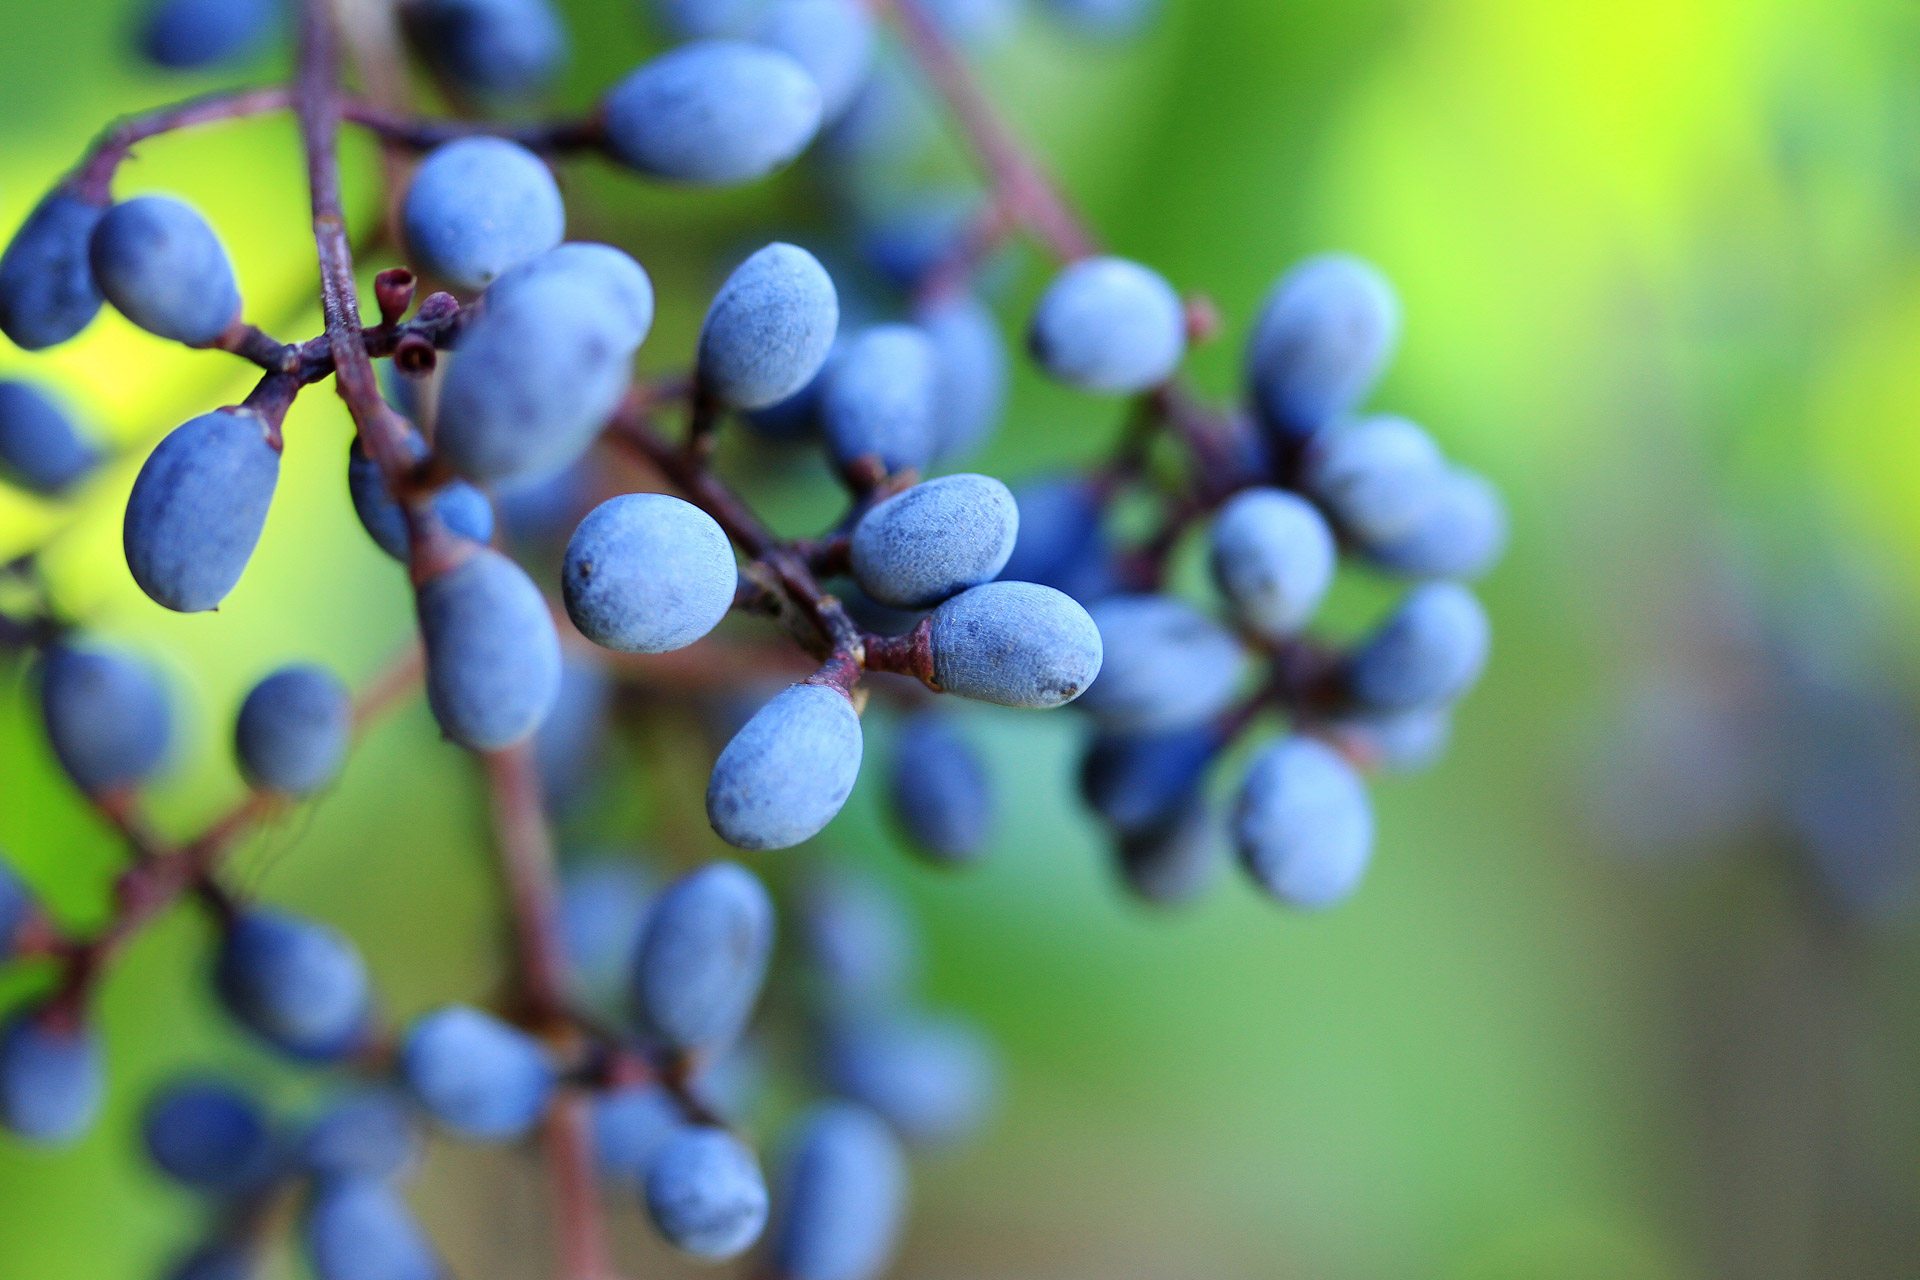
x=932 y=1078
x=477 y=206
x=587 y=266
x=106 y=715
x=298 y=985
x=1062 y=544
x=1168 y=666
x=360 y=1229
x=186 y=35
x=493 y=658
x=648 y=573
x=1175 y=859
x=935 y=540
x=1303 y=823
x=292 y=732
x=208 y=1135
x=1105 y=19
x=703 y=958
x=832 y=39
x=603 y=910
x=567 y=746
x=1014 y=643
x=51 y=1076
x=481 y=1078
x=629 y=1126
x=1273 y=558
x=859 y=940
x=1324 y=335
x=536 y=376
x=970 y=362
x=461 y=507
x=788 y=771
x=769 y=329
x=705 y=1193
x=1428 y=652
x=843 y=1196
x=198 y=506
x=878 y=399
x=162 y=267
x=367 y=1133
x=715 y=112
x=40 y=447
x=1400 y=741
x=941 y=795
x=1378 y=477
x=47 y=293
x=1460 y=535
x=1138 y=781
x=16 y=908
x=1109 y=325
x=493 y=48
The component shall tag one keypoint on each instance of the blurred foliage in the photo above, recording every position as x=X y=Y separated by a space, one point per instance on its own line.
x=1660 y=272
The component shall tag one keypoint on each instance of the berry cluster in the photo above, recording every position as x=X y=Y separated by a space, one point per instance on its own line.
x=510 y=397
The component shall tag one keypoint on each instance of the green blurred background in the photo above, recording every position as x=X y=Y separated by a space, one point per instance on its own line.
x=1659 y=266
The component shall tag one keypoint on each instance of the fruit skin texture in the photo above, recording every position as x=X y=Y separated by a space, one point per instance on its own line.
x=714 y=112
x=198 y=506
x=291 y=735
x=788 y=771
x=1168 y=666
x=478 y=206
x=1109 y=325
x=493 y=659
x=1429 y=652
x=208 y=1135
x=648 y=573
x=106 y=715
x=705 y=1193
x=47 y=292
x=1015 y=643
x=40 y=448
x=704 y=957
x=1325 y=333
x=185 y=35
x=481 y=1078
x=461 y=507
x=360 y=1229
x=935 y=540
x=1303 y=824
x=162 y=267
x=844 y=1195
x=610 y=273
x=878 y=398
x=51 y=1077
x=769 y=329
x=1378 y=477
x=1274 y=558
x=495 y=48
x=298 y=985
x=940 y=790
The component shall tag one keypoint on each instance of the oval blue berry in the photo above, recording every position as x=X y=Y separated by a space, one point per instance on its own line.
x=648 y=573
x=1015 y=643
x=366 y=1133
x=877 y=400
x=106 y=715
x=1273 y=558
x=493 y=48
x=935 y=540
x=843 y=1198
x=493 y=658
x=1109 y=325
x=481 y=1078
x=1168 y=666
x=831 y=39
x=629 y=1126
x=703 y=958
x=1325 y=333
x=47 y=292
x=705 y=1193
x=941 y=795
x=1429 y=651
x=477 y=206
x=715 y=112
x=162 y=267
x=769 y=329
x=198 y=506
x=208 y=1135
x=360 y=1229
x=186 y=35
x=1378 y=477
x=932 y=1078
x=1460 y=535
x=298 y=985
x=858 y=940
x=970 y=361
x=586 y=267
x=1175 y=859
x=41 y=449
x=291 y=735
x=1303 y=823
x=788 y=771
x=51 y=1076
